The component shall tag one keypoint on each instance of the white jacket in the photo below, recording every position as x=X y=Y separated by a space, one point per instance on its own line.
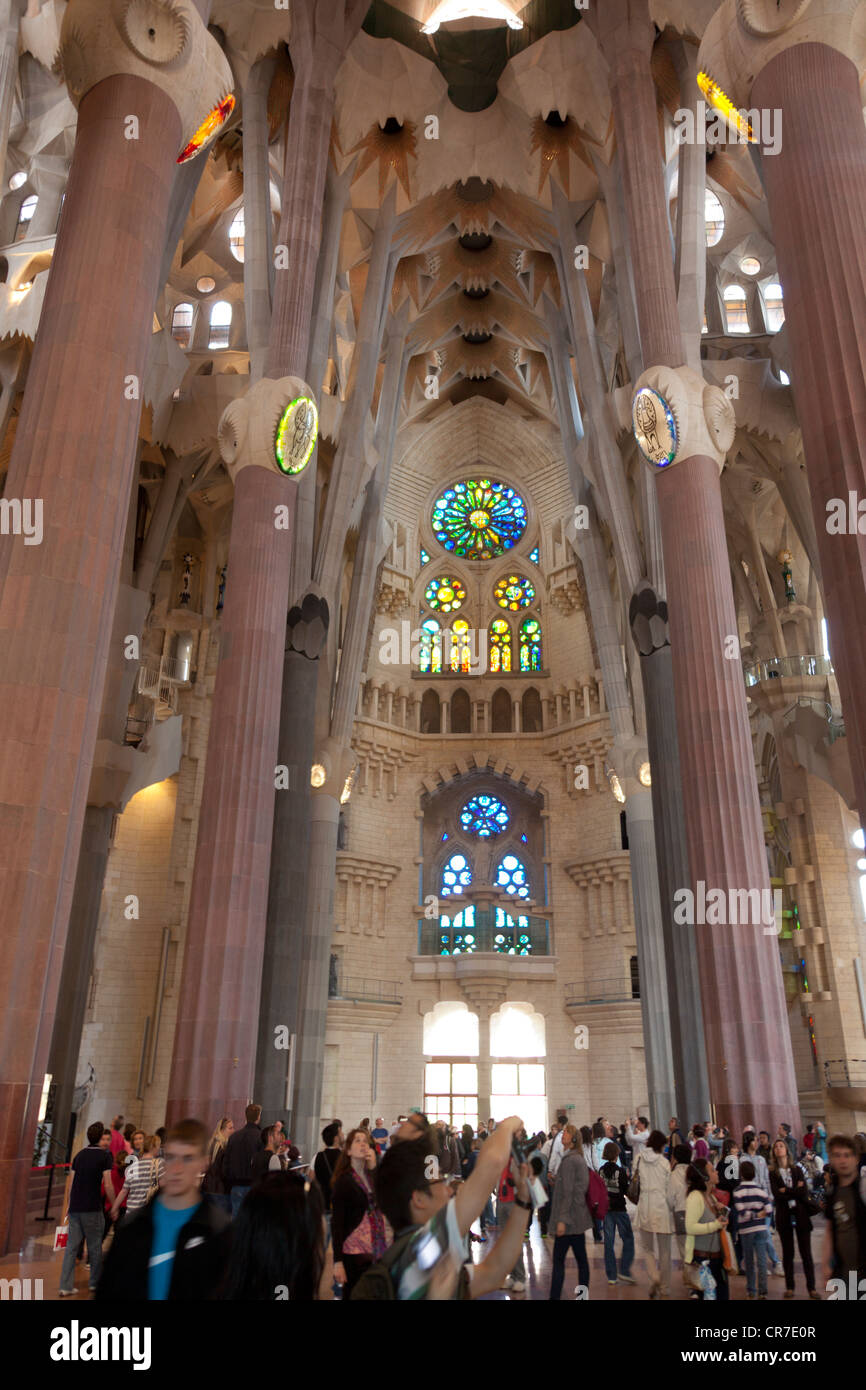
x=654 y=1207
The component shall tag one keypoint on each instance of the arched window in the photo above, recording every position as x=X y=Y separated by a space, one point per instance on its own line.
x=774 y=307
x=516 y=1030
x=456 y=875
x=236 y=235
x=530 y=645
x=430 y=655
x=25 y=217
x=461 y=713
x=714 y=217
x=450 y=1030
x=500 y=707
x=530 y=711
x=461 y=654
x=431 y=713
x=736 y=314
x=500 y=646
x=181 y=325
x=220 y=324
x=511 y=875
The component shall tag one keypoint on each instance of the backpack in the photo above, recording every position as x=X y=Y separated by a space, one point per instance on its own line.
x=596 y=1196
x=376 y=1282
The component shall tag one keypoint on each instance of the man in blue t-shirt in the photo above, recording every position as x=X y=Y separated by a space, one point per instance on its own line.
x=176 y=1246
x=380 y=1136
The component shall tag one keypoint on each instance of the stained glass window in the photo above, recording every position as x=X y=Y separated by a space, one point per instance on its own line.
x=479 y=519
x=456 y=876
x=530 y=645
x=533 y=555
x=424 y=557
x=514 y=593
x=511 y=875
x=430 y=655
x=500 y=645
x=461 y=652
x=445 y=595
x=484 y=816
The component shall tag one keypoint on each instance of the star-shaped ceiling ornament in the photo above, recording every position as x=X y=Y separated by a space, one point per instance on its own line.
x=557 y=139
x=392 y=145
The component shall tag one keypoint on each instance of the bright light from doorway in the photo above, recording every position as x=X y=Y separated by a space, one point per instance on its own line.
x=471 y=9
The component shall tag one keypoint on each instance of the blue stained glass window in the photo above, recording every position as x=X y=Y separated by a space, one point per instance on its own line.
x=533 y=555
x=430 y=648
x=456 y=875
x=444 y=834
x=511 y=875
x=530 y=645
x=425 y=558
x=523 y=838
x=484 y=816
x=479 y=519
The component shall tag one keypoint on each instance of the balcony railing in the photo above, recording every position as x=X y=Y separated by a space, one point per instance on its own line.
x=358 y=988
x=850 y=1071
x=611 y=989
x=779 y=666
x=476 y=930
x=824 y=710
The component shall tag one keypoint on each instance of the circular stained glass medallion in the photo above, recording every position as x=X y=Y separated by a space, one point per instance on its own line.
x=445 y=594
x=484 y=816
x=655 y=428
x=514 y=593
x=296 y=435
x=479 y=519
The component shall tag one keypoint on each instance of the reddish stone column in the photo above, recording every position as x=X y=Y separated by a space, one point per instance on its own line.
x=75 y=450
x=816 y=189
x=749 y=1057
x=215 y=1040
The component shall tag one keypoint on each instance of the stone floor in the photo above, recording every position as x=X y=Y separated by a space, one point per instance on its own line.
x=37 y=1261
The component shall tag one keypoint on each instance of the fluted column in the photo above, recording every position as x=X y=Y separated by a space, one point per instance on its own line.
x=748 y=1041
x=75 y=451
x=10 y=11
x=258 y=238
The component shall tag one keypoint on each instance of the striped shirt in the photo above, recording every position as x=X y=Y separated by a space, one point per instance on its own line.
x=138 y=1179
x=751 y=1203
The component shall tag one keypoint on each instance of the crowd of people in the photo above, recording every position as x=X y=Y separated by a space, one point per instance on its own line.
x=392 y=1211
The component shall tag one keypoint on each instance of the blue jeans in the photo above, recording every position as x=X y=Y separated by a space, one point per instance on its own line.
x=755 y=1247
x=508 y=1212
x=561 y=1247
x=238 y=1195
x=613 y=1222
x=89 y=1226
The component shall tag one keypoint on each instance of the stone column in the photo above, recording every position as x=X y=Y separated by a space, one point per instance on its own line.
x=75 y=451
x=258 y=238
x=748 y=1043
x=10 y=12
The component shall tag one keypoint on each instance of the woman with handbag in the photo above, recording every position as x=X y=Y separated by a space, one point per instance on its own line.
x=706 y=1220
x=650 y=1190
x=794 y=1206
x=357 y=1224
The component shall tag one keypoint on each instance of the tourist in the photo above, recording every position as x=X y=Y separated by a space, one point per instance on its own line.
x=112 y=1188
x=569 y=1213
x=508 y=1209
x=445 y=1148
x=844 y=1252
x=675 y=1135
x=464 y=1147
x=728 y=1170
x=428 y=1258
x=791 y=1197
x=82 y=1207
x=323 y=1167
x=764 y=1148
x=677 y=1193
x=141 y=1178
x=380 y=1135
x=762 y=1178
x=751 y=1207
x=700 y=1147
x=280 y=1250
x=357 y=1224
x=115 y=1139
x=215 y=1181
x=176 y=1246
x=654 y=1221
x=617 y=1219
x=415 y=1126
x=241 y=1150
x=637 y=1132
x=809 y=1138
x=821 y=1142
x=706 y=1220
x=267 y=1150
x=784 y=1133
x=137 y=1143
x=128 y=1132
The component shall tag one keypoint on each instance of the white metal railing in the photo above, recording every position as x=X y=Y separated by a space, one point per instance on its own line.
x=778 y=666
x=160 y=682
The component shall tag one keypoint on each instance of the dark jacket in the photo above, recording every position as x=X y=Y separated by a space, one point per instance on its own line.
x=348 y=1208
x=241 y=1149
x=782 y=1194
x=832 y=1218
x=323 y=1168
x=199 y=1263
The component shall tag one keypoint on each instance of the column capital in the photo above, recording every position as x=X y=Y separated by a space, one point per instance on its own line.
x=629 y=759
x=274 y=426
x=743 y=36
x=677 y=415
x=164 y=42
x=334 y=764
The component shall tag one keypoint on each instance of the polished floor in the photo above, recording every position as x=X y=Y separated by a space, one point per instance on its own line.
x=38 y=1262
